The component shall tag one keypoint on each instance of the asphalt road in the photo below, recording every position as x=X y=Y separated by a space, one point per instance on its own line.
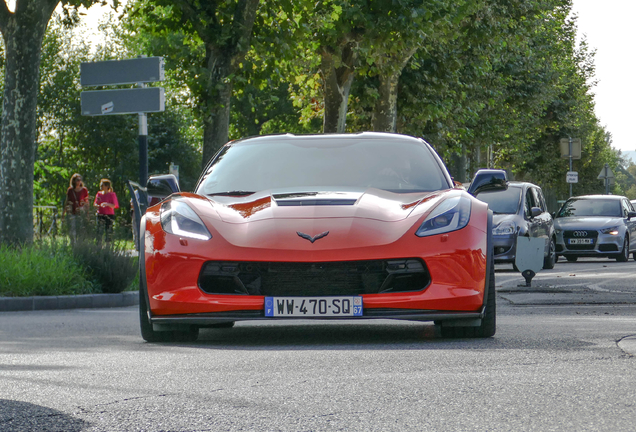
x=550 y=367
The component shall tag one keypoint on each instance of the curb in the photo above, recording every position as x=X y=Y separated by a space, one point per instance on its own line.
x=84 y=301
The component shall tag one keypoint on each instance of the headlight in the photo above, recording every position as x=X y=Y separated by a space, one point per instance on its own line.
x=179 y=219
x=451 y=215
x=505 y=228
x=612 y=230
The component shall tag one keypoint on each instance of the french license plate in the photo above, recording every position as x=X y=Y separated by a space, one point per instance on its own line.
x=297 y=307
x=581 y=241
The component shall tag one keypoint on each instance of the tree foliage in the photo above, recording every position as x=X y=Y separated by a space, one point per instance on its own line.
x=488 y=82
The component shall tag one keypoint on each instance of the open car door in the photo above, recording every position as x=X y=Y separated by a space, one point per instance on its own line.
x=139 y=203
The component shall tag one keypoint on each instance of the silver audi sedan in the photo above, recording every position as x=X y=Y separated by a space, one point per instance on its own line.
x=596 y=225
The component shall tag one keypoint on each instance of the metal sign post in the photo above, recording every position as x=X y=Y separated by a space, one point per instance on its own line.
x=570 y=156
x=607 y=175
x=571 y=149
x=140 y=100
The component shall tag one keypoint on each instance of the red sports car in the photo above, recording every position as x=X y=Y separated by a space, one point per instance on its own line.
x=351 y=226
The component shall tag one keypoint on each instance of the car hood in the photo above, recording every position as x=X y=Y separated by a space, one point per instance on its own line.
x=369 y=204
x=586 y=222
x=333 y=220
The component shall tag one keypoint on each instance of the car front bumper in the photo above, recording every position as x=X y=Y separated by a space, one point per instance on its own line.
x=505 y=247
x=604 y=245
x=457 y=263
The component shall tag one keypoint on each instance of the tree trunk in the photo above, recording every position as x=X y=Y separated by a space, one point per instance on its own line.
x=385 y=111
x=222 y=62
x=216 y=119
x=23 y=32
x=336 y=87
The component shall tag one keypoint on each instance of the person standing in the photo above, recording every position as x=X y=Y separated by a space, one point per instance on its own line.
x=106 y=203
x=76 y=203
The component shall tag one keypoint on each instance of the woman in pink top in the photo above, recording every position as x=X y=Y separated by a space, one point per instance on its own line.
x=106 y=203
x=76 y=204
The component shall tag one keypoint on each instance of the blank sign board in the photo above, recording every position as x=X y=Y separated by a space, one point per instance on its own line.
x=124 y=101
x=529 y=254
x=129 y=71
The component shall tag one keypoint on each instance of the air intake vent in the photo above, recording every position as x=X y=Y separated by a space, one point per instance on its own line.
x=314 y=279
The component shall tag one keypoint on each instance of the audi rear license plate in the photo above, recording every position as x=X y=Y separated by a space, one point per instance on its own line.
x=299 y=307
x=582 y=241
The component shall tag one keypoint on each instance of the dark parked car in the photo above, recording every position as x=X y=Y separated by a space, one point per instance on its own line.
x=520 y=210
x=596 y=225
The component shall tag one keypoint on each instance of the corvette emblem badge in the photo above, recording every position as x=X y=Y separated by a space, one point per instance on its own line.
x=310 y=238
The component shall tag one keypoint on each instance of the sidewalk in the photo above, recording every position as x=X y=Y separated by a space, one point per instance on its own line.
x=85 y=301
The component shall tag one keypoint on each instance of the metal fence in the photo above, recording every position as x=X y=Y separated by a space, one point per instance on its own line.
x=46 y=221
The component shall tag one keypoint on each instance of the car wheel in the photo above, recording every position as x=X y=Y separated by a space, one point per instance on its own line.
x=488 y=325
x=551 y=259
x=624 y=256
x=571 y=258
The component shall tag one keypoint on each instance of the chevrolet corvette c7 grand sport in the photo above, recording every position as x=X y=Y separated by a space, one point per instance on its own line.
x=349 y=226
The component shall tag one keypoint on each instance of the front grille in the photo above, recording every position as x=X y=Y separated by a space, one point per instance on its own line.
x=593 y=234
x=580 y=234
x=314 y=279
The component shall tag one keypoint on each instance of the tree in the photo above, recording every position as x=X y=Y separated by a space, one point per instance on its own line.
x=397 y=30
x=22 y=31
x=335 y=30
x=102 y=146
x=215 y=39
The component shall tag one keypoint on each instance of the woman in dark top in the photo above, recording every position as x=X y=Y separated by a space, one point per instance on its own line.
x=76 y=202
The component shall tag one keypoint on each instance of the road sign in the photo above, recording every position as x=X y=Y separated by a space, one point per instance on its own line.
x=606 y=172
x=572 y=177
x=129 y=71
x=123 y=101
x=564 y=145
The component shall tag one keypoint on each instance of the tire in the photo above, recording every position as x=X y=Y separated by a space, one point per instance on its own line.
x=624 y=256
x=551 y=259
x=488 y=325
x=571 y=258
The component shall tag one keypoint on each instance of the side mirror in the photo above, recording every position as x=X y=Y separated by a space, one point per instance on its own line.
x=159 y=187
x=553 y=214
x=535 y=211
x=488 y=180
x=631 y=215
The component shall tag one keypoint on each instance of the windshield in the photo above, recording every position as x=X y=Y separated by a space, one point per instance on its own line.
x=502 y=202
x=324 y=163
x=591 y=207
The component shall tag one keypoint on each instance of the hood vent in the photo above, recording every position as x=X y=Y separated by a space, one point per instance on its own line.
x=317 y=202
